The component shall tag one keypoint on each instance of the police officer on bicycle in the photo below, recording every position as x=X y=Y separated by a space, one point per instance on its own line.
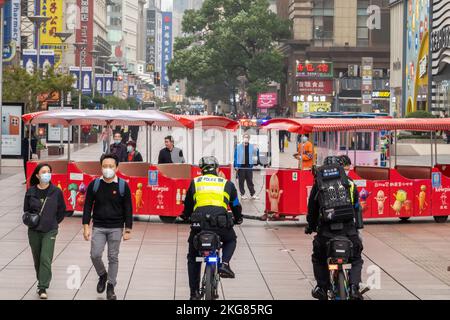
x=328 y=229
x=206 y=204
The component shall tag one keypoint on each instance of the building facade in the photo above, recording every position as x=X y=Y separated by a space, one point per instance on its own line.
x=397 y=48
x=330 y=40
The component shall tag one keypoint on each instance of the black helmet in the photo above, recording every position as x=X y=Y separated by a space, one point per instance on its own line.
x=208 y=164
x=333 y=160
x=345 y=160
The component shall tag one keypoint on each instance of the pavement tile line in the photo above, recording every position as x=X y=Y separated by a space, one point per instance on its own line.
x=135 y=260
x=176 y=264
x=403 y=255
x=256 y=262
x=62 y=250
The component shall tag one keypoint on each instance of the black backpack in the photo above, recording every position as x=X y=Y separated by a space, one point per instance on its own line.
x=334 y=194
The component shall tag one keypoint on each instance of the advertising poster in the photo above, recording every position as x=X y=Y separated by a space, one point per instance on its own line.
x=54 y=10
x=12 y=132
x=54 y=132
x=11 y=29
x=166 y=46
x=29 y=59
x=86 y=80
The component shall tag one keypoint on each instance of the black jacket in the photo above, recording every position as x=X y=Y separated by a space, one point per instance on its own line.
x=314 y=221
x=137 y=157
x=53 y=211
x=120 y=150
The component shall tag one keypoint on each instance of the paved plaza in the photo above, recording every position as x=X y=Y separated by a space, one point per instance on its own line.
x=272 y=260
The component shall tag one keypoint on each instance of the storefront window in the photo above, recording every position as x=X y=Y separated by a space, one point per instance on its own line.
x=362 y=32
x=323 y=19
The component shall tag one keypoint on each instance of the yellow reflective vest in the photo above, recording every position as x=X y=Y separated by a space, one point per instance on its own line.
x=210 y=191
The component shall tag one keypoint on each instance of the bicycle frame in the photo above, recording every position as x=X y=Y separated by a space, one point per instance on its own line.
x=210 y=264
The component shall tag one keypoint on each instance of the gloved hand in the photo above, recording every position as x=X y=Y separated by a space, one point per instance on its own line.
x=308 y=230
x=184 y=218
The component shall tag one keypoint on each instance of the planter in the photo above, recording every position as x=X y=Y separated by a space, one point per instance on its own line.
x=55 y=151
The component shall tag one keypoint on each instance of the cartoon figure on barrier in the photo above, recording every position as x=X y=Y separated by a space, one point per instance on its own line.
x=274 y=197
x=363 y=196
x=81 y=195
x=400 y=198
x=422 y=198
x=408 y=206
x=73 y=189
x=139 y=197
x=380 y=198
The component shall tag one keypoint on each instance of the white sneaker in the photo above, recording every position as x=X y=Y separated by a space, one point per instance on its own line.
x=255 y=197
x=244 y=197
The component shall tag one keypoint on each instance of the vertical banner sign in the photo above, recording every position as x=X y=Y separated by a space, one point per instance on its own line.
x=75 y=73
x=99 y=83
x=54 y=10
x=150 y=58
x=11 y=29
x=86 y=80
x=366 y=84
x=166 y=46
x=86 y=32
x=29 y=59
x=108 y=84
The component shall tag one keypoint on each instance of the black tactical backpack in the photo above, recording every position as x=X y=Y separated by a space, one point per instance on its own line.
x=334 y=196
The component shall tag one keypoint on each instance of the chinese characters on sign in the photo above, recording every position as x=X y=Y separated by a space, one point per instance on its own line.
x=166 y=46
x=54 y=10
x=267 y=100
x=315 y=70
x=86 y=32
x=150 y=41
x=315 y=86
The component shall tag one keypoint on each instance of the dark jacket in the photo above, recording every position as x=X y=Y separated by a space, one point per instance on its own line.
x=174 y=156
x=26 y=156
x=137 y=157
x=120 y=150
x=313 y=216
x=53 y=211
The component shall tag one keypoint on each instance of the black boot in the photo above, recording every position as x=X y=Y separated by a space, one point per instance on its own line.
x=319 y=293
x=110 y=294
x=225 y=271
x=101 y=285
x=355 y=294
x=195 y=295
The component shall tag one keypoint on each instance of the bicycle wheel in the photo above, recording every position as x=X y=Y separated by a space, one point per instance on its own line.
x=210 y=282
x=342 y=286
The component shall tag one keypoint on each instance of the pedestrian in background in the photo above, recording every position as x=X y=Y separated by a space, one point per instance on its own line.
x=118 y=148
x=105 y=138
x=246 y=155
x=170 y=154
x=46 y=200
x=133 y=154
x=27 y=154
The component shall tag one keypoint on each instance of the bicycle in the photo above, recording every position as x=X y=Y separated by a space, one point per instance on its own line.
x=208 y=244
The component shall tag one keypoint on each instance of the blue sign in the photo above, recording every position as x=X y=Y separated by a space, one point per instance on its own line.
x=109 y=80
x=11 y=29
x=86 y=80
x=153 y=177
x=75 y=72
x=99 y=83
x=436 y=180
x=166 y=46
x=29 y=59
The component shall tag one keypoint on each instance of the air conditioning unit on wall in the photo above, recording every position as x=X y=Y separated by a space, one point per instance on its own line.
x=353 y=70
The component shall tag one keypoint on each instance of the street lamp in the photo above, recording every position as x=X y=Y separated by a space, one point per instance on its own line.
x=38 y=21
x=94 y=54
x=79 y=46
x=63 y=36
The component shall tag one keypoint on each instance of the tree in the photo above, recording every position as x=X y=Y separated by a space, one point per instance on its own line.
x=226 y=40
x=20 y=86
x=116 y=103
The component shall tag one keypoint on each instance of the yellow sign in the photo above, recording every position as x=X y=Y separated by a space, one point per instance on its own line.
x=54 y=10
x=313 y=107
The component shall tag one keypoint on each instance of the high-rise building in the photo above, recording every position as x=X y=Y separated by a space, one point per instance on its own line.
x=335 y=36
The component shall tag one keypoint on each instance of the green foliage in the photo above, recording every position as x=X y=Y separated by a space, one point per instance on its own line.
x=420 y=114
x=227 y=40
x=20 y=86
x=114 y=102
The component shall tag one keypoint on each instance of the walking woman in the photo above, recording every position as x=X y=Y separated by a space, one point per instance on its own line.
x=45 y=199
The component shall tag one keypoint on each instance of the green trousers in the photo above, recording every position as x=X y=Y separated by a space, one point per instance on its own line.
x=42 y=246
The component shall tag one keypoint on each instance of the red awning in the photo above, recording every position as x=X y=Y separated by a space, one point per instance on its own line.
x=332 y=124
x=206 y=122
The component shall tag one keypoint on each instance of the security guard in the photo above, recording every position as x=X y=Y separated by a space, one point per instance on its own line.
x=206 y=204
x=325 y=233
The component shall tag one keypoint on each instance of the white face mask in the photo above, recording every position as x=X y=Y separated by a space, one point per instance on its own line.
x=304 y=139
x=246 y=140
x=108 y=173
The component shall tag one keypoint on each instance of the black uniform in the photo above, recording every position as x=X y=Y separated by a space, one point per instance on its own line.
x=324 y=234
x=227 y=235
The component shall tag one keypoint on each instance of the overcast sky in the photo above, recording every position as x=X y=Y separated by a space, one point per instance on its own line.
x=166 y=5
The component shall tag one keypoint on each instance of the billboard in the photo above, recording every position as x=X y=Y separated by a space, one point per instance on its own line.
x=85 y=34
x=166 y=46
x=267 y=100
x=54 y=10
x=12 y=131
x=150 y=50
x=11 y=29
x=54 y=132
x=315 y=86
x=314 y=69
